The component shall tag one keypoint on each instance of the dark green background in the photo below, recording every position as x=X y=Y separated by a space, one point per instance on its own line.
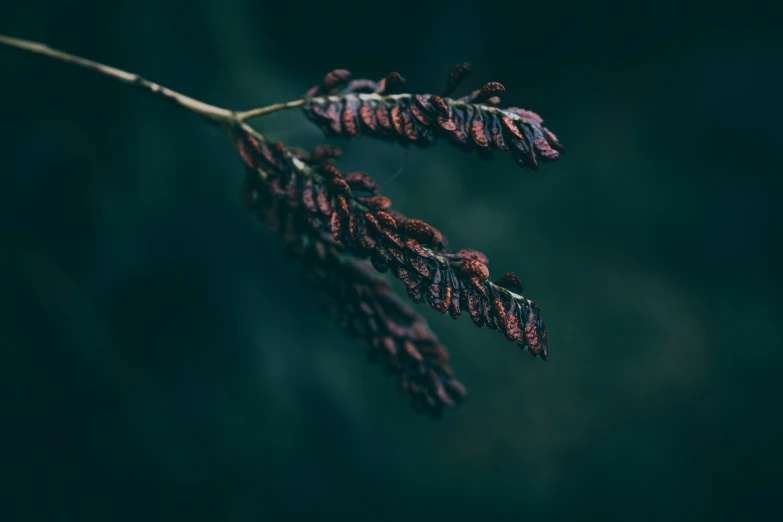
x=161 y=359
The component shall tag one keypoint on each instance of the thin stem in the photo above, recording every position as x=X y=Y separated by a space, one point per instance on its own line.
x=211 y=112
x=253 y=113
x=224 y=118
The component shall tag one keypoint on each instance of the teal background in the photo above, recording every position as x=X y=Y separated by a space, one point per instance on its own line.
x=162 y=360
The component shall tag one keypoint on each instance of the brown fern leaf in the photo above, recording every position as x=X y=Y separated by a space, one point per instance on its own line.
x=356 y=107
x=410 y=249
x=364 y=305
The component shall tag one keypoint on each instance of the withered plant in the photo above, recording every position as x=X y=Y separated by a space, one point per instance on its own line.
x=334 y=222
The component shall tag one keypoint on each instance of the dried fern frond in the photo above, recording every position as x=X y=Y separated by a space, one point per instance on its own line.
x=351 y=108
x=410 y=249
x=364 y=305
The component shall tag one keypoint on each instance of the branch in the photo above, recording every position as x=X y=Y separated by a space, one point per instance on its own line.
x=262 y=111
x=213 y=113
x=210 y=112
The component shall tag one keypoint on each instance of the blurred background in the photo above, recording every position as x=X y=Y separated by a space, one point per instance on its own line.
x=161 y=360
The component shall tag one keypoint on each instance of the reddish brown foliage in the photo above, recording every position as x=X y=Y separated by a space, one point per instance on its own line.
x=325 y=221
x=351 y=108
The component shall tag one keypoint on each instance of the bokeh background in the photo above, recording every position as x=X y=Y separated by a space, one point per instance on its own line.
x=161 y=359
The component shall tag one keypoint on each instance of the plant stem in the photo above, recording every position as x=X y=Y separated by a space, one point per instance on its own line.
x=211 y=112
x=253 y=113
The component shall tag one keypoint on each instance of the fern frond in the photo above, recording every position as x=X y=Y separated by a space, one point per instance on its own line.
x=364 y=226
x=344 y=107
